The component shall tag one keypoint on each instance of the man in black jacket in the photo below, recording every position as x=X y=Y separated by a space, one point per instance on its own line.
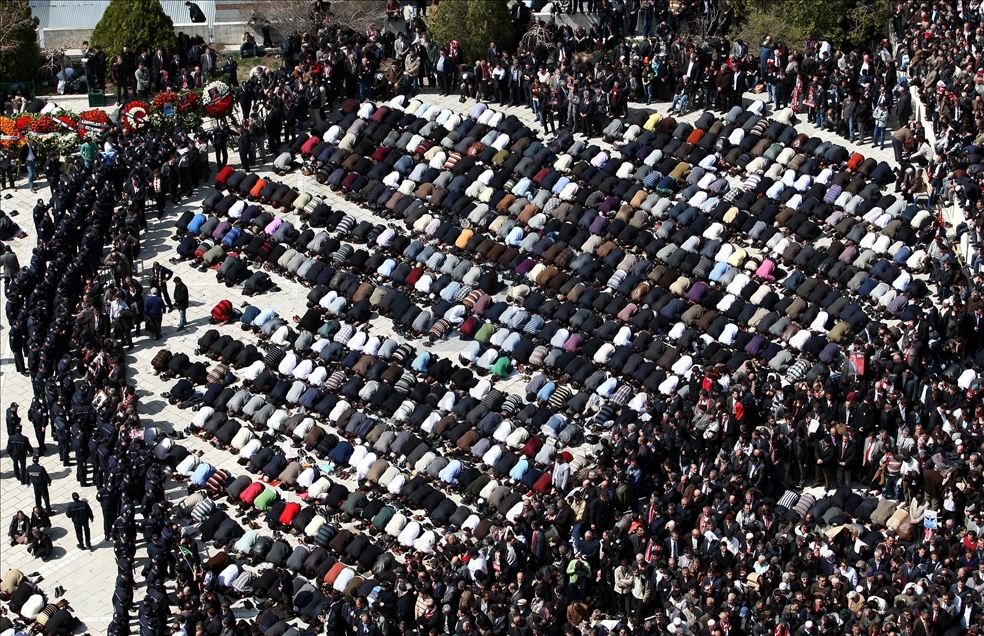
x=40 y=544
x=159 y=276
x=245 y=144
x=180 y=301
x=81 y=514
x=195 y=12
x=19 y=447
x=40 y=479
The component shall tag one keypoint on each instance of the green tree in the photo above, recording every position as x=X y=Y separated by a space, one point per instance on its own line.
x=448 y=22
x=20 y=55
x=139 y=24
x=488 y=21
x=473 y=24
x=841 y=22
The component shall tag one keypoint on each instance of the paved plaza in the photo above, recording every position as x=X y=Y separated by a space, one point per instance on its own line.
x=88 y=576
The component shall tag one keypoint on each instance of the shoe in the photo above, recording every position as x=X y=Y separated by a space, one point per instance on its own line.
x=89 y=547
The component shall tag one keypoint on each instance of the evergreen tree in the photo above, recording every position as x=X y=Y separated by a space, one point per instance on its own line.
x=20 y=55
x=473 y=24
x=489 y=21
x=448 y=22
x=139 y=24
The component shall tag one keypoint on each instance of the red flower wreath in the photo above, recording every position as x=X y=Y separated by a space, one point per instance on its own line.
x=191 y=102
x=68 y=120
x=135 y=116
x=95 y=121
x=43 y=124
x=23 y=122
x=219 y=99
x=164 y=98
x=181 y=101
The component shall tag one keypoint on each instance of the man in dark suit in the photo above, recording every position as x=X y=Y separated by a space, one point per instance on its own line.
x=208 y=62
x=672 y=545
x=159 y=63
x=97 y=322
x=847 y=451
x=826 y=459
x=366 y=626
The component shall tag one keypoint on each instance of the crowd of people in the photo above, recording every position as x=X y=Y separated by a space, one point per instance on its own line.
x=551 y=386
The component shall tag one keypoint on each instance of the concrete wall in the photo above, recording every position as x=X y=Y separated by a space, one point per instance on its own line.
x=222 y=33
x=65 y=37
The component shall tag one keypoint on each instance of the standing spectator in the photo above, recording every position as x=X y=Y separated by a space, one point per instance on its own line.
x=39 y=478
x=52 y=171
x=13 y=418
x=160 y=192
x=29 y=157
x=8 y=167
x=180 y=301
x=129 y=61
x=38 y=415
x=19 y=447
x=9 y=266
x=880 y=116
x=159 y=276
x=220 y=139
x=245 y=143
x=89 y=64
x=153 y=312
x=443 y=66
x=169 y=177
x=142 y=77
x=100 y=62
x=120 y=79
x=81 y=514
x=121 y=317
x=88 y=152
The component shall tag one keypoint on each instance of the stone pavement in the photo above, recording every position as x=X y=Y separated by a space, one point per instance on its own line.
x=88 y=576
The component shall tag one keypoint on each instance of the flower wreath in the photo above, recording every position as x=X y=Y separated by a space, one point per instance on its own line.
x=180 y=101
x=93 y=123
x=10 y=137
x=135 y=116
x=44 y=125
x=219 y=99
x=23 y=121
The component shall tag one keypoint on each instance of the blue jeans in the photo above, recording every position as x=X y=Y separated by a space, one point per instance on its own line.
x=30 y=174
x=891 y=487
x=650 y=93
x=181 y=318
x=850 y=128
x=679 y=101
x=772 y=92
x=365 y=90
x=819 y=120
x=878 y=137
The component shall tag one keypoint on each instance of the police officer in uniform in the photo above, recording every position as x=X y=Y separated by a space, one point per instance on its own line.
x=40 y=479
x=38 y=414
x=81 y=514
x=13 y=419
x=110 y=503
x=62 y=431
x=19 y=447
